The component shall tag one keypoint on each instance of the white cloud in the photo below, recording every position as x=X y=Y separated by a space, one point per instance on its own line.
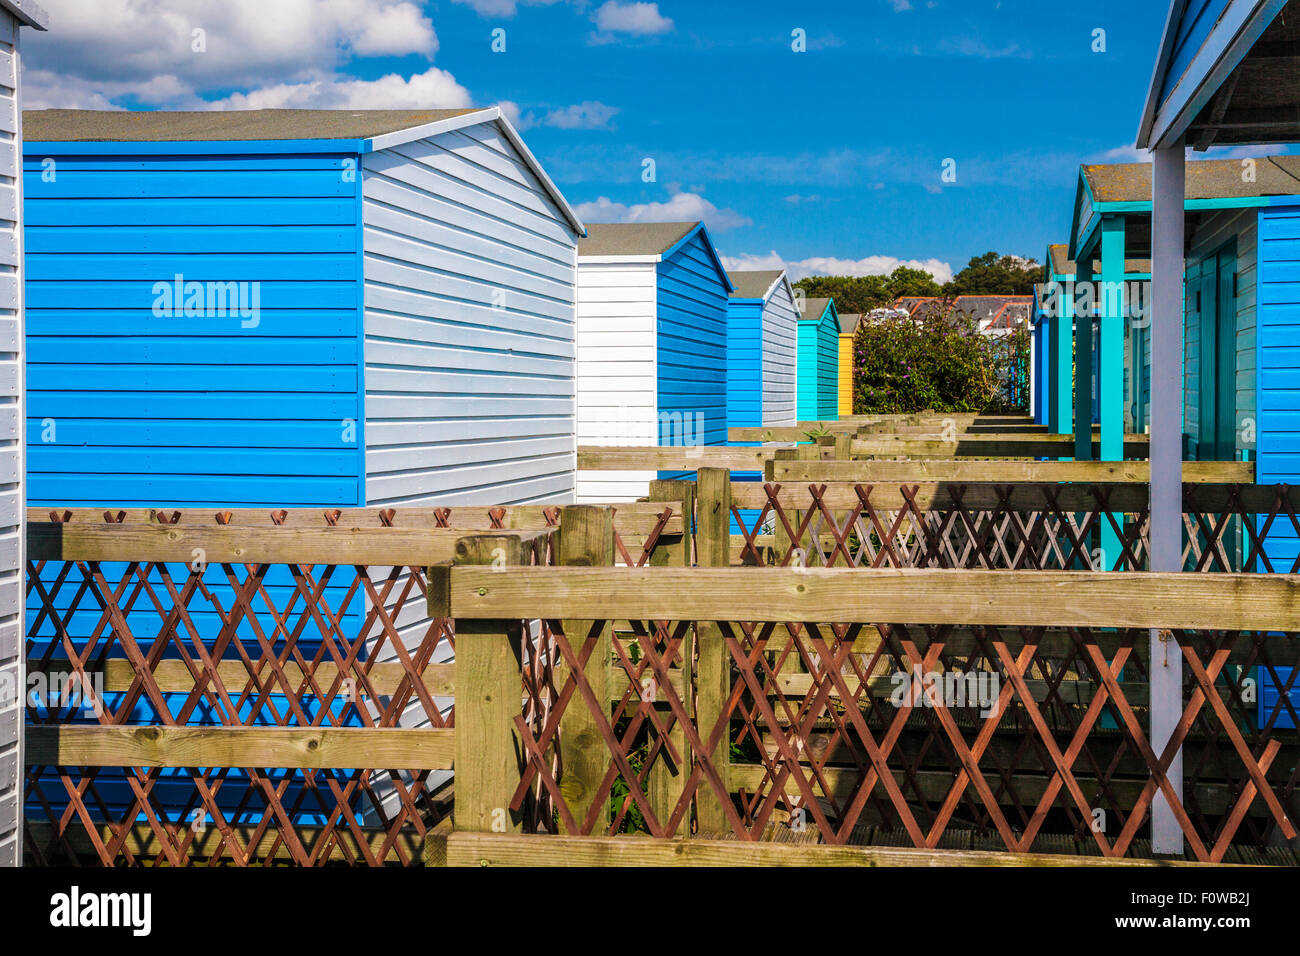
x=830 y=266
x=638 y=19
x=432 y=89
x=587 y=115
x=900 y=5
x=107 y=51
x=502 y=8
x=681 y=207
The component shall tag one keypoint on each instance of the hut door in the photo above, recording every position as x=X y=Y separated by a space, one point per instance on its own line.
x=1218 y=365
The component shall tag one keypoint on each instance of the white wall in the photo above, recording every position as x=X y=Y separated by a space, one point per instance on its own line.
x=12 y=550
x=470 y=285
x=780 y=357
x=617 y=374
x=469 y=326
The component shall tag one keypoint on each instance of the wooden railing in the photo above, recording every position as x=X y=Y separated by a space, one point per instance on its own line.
x=300 y=685
x=769 y=711
x=249 y=686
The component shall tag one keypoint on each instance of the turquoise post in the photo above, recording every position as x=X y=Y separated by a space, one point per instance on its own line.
x=1062 y=422
x=1111 y=351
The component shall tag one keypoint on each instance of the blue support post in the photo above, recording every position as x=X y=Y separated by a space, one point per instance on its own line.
x=1085 y=311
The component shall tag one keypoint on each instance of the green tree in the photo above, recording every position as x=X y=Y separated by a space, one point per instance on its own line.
x=905 y=281
x=994 y=274
x=939 y=361
x=851 y=293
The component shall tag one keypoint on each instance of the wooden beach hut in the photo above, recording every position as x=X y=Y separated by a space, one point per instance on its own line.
x=296 y=307
x=15 y=17
x=1224 y=75
x=652 y=345
x=848 y=327
x=762 y=342
x=819 y=361
x=292 y=308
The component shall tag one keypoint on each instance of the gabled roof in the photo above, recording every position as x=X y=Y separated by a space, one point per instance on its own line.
x=1206 y=179
x=1125 y=189
x=27 y=12
x=648 y=242
x=1062 y=265
x=123 y=126
x=814 y=310
x=633 y=238
x=1225 y=73
x=755 y=284
x=267 y=131
x=849 y=322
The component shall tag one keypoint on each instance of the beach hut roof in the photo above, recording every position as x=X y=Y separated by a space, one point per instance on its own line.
x=27 y=12
x=755 y=284
x=849 y=323
x=1225 y=74
x=197 y=131
x=1063 y=265
x=633 y=238
x=1206 y=179
x=647 y=242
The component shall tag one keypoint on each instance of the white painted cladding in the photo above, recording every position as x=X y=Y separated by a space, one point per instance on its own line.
x=470 y=287
x=780 y=357
x=469 y=326
x=617 y=371
x=12 y=502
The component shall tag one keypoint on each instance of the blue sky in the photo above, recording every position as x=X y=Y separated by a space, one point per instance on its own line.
x=829 y=160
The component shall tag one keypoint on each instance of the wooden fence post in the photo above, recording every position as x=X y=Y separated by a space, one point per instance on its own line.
x=713 y=667
x=587 y=541
x=666 y=782
x=489 y=694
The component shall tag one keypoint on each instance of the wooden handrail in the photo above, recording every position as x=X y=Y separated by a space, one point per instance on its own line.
x=974 y=598
x=218 y=544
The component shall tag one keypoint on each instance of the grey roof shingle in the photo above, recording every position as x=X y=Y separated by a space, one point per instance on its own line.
x=1206 y=179
x=1063 y=265
x=91 y=126
x=632 y=238
x=753 y=284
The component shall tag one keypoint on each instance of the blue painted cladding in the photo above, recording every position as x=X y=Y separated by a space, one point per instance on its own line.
x=744 y=363
x=691 y=329
x=1270 y=692
x=1278 y=364
x=200 y=409
x=1194 y=28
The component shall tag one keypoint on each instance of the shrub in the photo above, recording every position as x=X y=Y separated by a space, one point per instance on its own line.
x=936 y=361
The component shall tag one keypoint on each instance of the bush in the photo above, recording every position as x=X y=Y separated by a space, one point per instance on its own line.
x=936 y=361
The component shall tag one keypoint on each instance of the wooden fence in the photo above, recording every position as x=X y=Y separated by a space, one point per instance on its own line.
x=255 y=686
x=280 y=687
x=766 y=706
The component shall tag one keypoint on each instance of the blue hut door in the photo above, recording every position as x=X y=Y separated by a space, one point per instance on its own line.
x=1217 y=391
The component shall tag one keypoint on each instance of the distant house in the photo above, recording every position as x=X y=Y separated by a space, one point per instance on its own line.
x=996 y=314
x=652 y=345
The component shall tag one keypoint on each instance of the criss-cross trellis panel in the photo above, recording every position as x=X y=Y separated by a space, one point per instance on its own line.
x=1021 y=736
x=1019 y=526
x=236 y=645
